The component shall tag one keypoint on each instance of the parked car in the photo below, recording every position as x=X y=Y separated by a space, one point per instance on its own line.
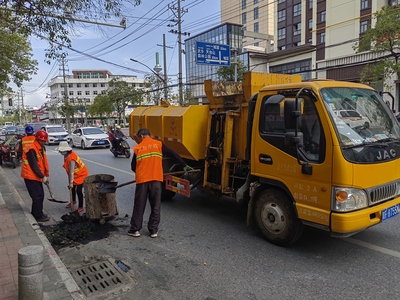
x=88 y=137
x=56 y=134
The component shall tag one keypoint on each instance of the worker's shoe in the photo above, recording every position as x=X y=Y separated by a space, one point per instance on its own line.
x=154 y=235
x=133 y=233
x=80 y=209
x=43 y=218
x=69 y=204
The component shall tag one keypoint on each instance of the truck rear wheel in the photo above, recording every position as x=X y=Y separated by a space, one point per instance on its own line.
x=276 y=218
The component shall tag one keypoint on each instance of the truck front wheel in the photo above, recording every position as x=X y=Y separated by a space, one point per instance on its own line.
x=276 y=218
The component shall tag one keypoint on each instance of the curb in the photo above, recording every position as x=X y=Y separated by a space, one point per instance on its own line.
x=65 y=275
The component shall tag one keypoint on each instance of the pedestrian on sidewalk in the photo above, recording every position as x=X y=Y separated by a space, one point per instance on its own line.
x=147 y=164
x=76 y=172
x=35 y=172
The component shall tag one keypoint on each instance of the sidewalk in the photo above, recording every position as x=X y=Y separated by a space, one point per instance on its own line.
x=19 y=229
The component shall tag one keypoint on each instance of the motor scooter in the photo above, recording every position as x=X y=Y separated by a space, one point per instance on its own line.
x=10 y=151
x=124 y=149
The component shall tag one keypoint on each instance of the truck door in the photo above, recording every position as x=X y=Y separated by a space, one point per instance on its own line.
x=278 y=163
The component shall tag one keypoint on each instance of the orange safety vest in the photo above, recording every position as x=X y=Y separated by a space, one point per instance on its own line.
x=148 y=161
x=80 y=170
x=26 y=171
x=27 y=141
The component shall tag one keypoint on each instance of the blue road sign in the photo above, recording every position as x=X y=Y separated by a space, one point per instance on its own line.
x=213 y=54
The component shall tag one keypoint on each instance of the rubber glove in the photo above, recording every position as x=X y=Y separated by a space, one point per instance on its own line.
x=45 y=180
x=187 y=168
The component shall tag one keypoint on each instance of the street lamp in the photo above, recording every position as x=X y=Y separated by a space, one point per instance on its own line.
x=156 y=68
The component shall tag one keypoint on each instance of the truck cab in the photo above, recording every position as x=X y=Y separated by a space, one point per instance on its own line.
x=316 y=168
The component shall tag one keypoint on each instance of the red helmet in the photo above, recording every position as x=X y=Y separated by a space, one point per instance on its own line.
x=41 y=135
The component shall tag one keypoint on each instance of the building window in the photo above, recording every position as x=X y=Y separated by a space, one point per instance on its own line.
x=394 y=2
x=363 y=26
x=281 y=15
x=94 y=92
x=323 y=16
x=297 y=29
x=102 y=84
x=255 y=13
x=296 y=44
x=78 y=85
x=281 y=1
x=322 y=38
x=255 y=1
x=244 y=18
x=62 y=85
x=281 y=33
x=87 y=93
x=62 y=93
x=71 y=93
x=309 y=23
x=243 y=4
x=103 y=92
x=297 y=10
x=79 y=93
x=282 y=48
x=94 y=84
x=256 y=27
x=310 y=3
x=70 y=85
x=310 y=40
x=364 y=4
x=86 y=84
x=257 y=44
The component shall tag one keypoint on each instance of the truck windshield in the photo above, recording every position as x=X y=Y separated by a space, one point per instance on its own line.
x=367 y=129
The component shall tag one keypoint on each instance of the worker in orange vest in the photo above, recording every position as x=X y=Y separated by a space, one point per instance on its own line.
x=147 y=165
x=29 y=138
x=35 y=172
x=76 y=171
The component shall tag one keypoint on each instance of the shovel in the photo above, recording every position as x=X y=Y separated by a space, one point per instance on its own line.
x=110 y=187
x=52 y=199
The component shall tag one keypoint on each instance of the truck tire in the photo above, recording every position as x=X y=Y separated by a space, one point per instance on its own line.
x=276 y=218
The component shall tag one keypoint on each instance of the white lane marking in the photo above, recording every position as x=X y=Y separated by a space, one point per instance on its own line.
x=373 y=247
x=106 y=166
x=99 y=164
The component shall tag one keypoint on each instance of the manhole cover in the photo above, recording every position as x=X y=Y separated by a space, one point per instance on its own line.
x=99 y=278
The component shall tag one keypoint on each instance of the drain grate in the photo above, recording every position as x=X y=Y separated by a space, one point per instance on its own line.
x=99 y=278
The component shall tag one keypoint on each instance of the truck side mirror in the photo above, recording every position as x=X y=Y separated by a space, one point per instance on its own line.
x=291 y=115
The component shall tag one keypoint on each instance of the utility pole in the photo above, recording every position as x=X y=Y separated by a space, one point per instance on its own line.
x=67 y=117
x=179 y=32
x=165 y=66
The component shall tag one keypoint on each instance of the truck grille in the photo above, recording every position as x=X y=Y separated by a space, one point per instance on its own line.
x=383 y=192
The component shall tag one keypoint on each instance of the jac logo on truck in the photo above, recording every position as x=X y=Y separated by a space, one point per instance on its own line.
x=384 y=154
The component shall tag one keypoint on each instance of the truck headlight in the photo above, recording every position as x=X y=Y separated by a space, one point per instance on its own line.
x=348 y=199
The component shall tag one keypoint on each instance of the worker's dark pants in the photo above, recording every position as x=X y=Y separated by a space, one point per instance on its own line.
x=77 y=189
x=153 y=190
x=35 y=189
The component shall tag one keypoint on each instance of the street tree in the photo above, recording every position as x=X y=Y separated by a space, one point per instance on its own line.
x=16 y=63
x=55 y=21
x=188 y=98
x=383 y=40
x=101 y=106
x=228 y=73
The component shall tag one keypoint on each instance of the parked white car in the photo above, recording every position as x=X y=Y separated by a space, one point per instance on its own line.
x=88 y=137
x=56 y=134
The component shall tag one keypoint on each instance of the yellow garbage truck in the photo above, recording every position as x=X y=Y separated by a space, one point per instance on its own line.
x=320 y=153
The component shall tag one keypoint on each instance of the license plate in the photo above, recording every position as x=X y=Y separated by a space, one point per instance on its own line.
x=390 y=212
x=61 y=139
x=100 y=142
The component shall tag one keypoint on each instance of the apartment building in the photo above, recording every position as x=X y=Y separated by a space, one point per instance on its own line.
x=313 y=38
x=256 y=16
x=84 y=85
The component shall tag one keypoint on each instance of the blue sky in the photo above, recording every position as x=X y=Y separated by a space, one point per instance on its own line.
x=103 y=47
